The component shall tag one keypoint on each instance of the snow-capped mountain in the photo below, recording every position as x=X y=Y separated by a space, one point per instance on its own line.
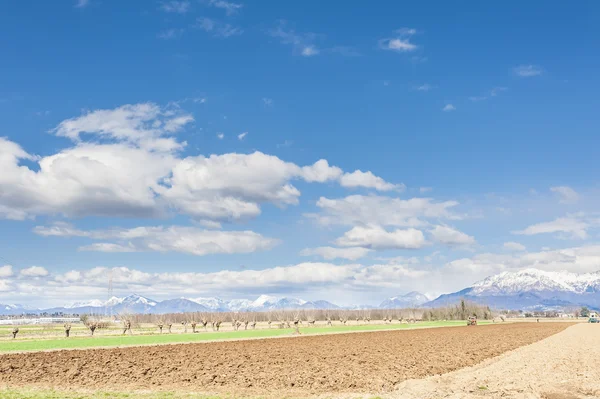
x=530 y=289
x=138 y=304
x=411 y=299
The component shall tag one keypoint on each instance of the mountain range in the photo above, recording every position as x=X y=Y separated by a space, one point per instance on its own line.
x=525 y=289
x=530 y=289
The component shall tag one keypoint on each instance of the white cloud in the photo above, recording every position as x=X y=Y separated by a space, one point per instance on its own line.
x=381 y=210
x=567 y=194
x=449 y=107
x=320 y=172
x=174 y=6
x=330 y=253
x=514 y=246
x=183 y=239
x=574 y=226
x=6 y=271
x=401 y=43
x=146 y=125
x=527 y=71
x=449 y=236
x=34 y=271
x=367 y=179
x=377 y=238
x=241 y=136
x=229 y=7
x=217 y=28
x=267 y=101
x=220 y=136
x=87 y=179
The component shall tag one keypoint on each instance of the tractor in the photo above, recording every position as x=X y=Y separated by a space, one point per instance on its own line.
x=472 y=321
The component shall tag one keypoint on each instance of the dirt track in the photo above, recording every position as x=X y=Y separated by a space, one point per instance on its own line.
x=369 y=362
x=563 y=366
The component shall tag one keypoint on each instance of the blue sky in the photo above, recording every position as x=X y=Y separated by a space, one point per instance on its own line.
x=384 y=148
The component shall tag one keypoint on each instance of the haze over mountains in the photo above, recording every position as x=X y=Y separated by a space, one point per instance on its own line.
x=525 y=289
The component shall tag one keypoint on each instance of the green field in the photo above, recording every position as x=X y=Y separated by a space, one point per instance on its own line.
x=151 y=339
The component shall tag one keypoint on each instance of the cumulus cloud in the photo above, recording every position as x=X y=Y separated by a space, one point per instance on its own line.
x=382 y=211
x=452 y=237
x=573 y=226
x=375 y=237
x=34 y=271
x=330 y=253
x=367 y=179
x=6 y=271
x=87 y=180
x=567 y=194
x=514 y=246
x=147 y=125
x=191 y=240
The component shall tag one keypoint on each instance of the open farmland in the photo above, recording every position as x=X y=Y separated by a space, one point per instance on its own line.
x=300 y=366
x=51 y=338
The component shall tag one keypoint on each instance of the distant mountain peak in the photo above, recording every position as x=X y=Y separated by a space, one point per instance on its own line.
x=531 y=289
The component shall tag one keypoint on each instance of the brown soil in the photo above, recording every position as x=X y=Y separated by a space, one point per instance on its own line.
x=360 y=362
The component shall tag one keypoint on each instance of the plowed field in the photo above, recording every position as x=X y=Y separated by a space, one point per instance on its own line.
x=358 y=362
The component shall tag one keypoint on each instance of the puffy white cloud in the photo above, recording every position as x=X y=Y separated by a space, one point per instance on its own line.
x=6 y=271
x=449 y=236
x=144 y=124
x=329 y=253
x=367 y=179
x=320 y=172
x=88 y=180
x=34 y=271
x=573 y=226
x=241 y=136
x=514 y=246
x=190 y=240
x=567 y=194
x=381 y=210
x=375 y=237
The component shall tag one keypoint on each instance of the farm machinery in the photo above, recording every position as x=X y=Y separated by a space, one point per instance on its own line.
x=593 y=318
x=472 y=321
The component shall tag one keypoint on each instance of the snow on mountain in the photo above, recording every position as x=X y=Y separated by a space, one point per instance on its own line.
x=530 y=289
x=411 y=299
x=215 y=304
x=93 y=303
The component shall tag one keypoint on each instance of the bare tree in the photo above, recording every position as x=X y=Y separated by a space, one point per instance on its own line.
x=67 y=327
x=15 y=331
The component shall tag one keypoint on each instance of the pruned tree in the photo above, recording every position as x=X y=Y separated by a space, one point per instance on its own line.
x=92 y=326
x=15 y=331
x=67 y=327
